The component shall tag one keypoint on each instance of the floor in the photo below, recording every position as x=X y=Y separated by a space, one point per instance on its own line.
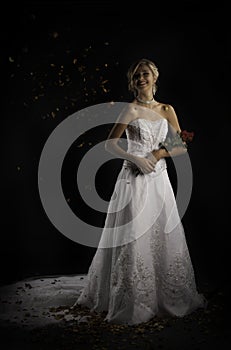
x=27 y=323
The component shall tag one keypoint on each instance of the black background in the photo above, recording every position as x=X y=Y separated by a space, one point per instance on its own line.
x=60 y=57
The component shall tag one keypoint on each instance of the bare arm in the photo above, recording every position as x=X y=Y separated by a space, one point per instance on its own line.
x=111 y=144
x=174 y=127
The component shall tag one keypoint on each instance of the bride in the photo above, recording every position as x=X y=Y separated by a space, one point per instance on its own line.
x=142 y=267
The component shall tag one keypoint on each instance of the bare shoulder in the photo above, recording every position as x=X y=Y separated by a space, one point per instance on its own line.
x=169 y=113
x=129 y=113
x=166 y=109
x=132 y=108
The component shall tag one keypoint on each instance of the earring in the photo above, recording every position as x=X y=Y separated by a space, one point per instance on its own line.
x=154 y=88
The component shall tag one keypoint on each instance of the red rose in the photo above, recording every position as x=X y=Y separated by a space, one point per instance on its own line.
x=187 y=136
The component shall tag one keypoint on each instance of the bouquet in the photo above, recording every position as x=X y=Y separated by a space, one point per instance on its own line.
x=180 y=139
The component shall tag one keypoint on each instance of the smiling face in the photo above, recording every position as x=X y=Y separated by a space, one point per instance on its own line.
x=143 y=79
x=142 y=76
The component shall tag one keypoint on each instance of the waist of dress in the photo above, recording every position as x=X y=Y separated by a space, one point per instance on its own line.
x=160 y=166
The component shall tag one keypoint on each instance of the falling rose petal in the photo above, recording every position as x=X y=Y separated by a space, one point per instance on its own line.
x=104 y=89
x=11 y=60
x=55 y=35
x=81 y=144
x=87 y=48
x=75 y=60
x=81 y=68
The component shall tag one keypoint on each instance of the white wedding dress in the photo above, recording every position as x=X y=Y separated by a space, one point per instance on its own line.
x=142 y=267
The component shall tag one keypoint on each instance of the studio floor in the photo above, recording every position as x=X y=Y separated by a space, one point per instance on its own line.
x=28 y=323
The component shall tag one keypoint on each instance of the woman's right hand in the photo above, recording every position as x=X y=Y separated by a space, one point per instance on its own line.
x=145 y=165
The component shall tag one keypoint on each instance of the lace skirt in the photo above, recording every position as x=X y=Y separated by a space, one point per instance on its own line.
x=142 y=267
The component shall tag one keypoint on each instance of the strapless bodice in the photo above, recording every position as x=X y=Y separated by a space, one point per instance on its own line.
x=144 y=136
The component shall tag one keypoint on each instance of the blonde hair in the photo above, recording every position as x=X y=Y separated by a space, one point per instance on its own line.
x=133 y=68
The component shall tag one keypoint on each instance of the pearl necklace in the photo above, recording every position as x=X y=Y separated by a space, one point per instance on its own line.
x=145 y=102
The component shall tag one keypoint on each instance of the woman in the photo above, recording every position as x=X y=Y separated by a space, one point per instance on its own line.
x=142 y=266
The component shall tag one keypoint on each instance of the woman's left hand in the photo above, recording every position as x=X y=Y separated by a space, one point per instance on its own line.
x=157 y=154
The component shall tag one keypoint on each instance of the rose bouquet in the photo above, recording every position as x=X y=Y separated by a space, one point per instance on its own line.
x=180 y=139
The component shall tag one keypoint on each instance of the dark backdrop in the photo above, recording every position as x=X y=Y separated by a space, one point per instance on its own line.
x=60 y=57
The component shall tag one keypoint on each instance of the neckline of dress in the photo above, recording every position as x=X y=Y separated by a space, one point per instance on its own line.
x=148 y=120
x=150 y=110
